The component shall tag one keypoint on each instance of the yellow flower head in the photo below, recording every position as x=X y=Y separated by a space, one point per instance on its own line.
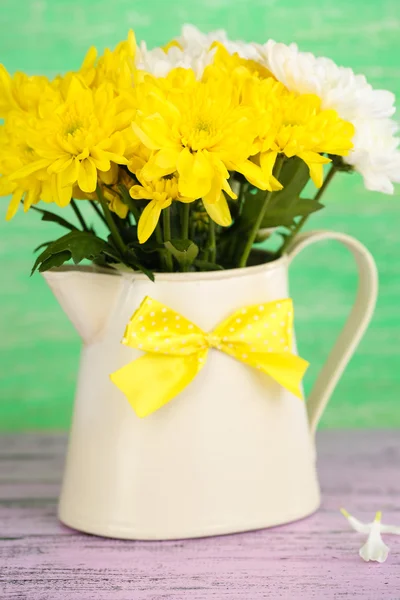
x=161 y=194
x=294 y=125
x=231 y=63
x=116 y=67
x=15 y=154
x=74 y=142
x=22 y=92
x=199 y=131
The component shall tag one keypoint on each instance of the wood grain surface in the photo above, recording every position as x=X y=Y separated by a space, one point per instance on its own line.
x=316 y=558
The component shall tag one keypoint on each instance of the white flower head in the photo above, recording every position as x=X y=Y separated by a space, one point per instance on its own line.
x=194 y=50
x=159 y=62
x=375 y=154
x=193 y=39
x=375 y=548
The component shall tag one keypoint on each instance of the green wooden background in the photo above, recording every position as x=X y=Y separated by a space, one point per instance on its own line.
x=39 y=350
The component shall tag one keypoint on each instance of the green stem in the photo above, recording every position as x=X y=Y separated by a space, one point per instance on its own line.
x=98 y=211
x=161 y=252
x=299 y=225
x=79 y=215
x=133 y=207
x=167 y=236
x=185 y=213
x=242 y=191
x=212 y=243
x=115 y=234
x=261 y=214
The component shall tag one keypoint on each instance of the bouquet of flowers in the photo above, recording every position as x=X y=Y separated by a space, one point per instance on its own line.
x=188 y=154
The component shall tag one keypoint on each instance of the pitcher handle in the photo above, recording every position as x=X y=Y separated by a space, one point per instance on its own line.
x=356 y=323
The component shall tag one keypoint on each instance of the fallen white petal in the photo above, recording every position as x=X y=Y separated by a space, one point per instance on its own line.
x=375 y=549
x=361 y=527
x=355 y=523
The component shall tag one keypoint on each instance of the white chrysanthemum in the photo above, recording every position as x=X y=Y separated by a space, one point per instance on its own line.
x=375 y=154
x=159 y=62
x=195 y=52
x=338 y=87
x=194 y=40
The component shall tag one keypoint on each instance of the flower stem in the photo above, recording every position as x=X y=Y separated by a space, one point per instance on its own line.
x=212 y=243
x=129 y=202
x=79 y=215
x=185 y=213
x=167 y=236
x=299 y=225
x=261 y=214
x=98 y=211
x=115 y=234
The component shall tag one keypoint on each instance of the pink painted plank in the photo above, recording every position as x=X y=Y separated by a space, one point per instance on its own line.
x=316 y=558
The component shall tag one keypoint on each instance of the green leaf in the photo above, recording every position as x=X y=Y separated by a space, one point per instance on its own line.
x=184 y=251
x=294 y=177
x=41 y=246
x=49 y=216
x=79 y=245
x=55 y=260
x=204 y=265
x=279 y=214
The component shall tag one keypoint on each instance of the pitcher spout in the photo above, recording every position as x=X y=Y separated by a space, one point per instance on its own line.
x=86 y=294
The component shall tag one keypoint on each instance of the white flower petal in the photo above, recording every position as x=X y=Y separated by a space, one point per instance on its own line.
x=375 y=549
x=375 y=155
x=355 y=523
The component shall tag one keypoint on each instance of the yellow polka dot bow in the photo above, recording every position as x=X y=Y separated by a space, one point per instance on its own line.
x=176 y=349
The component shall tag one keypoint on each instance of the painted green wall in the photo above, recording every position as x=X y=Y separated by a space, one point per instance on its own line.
x=39 y=350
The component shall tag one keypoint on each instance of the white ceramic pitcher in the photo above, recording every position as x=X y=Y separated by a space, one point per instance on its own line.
x=234 y=451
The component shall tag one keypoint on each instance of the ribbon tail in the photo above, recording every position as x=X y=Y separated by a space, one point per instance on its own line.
x=151 y=381
x=287 y=369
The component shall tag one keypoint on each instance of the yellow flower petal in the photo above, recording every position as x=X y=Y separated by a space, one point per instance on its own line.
x=15 y=201
x=148 y=220
x=100 y=159
x=70 y=173
x=195 y=174
x=144 y=138
x=315 y=163
x=257 y=177
x=162 y=163
x=219 y=211
x=138 y=192
x=29 y=169
x=61 y=194
x=87 y=176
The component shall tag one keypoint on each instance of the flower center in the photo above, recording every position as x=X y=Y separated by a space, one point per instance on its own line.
x=72 y=127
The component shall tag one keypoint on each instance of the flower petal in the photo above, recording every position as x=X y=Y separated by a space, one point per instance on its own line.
x=14 y=204
x=195 y=173
x=148 y=220
x=87 y=176
x=375 y=549
x=219 y=211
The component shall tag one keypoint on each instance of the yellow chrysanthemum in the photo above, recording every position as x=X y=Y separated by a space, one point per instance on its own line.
x=22 y=92
x=161 y=193
x=294 y=125
x=108 y=181
x=231 y=63
x=74 y=142
x=201 y=132
x=116 y=67
x=15 y=154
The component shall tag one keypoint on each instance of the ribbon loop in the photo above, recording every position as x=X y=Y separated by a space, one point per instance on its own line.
x=176 y=349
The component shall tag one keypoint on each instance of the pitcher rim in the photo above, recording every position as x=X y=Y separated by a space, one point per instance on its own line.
x=192 y=276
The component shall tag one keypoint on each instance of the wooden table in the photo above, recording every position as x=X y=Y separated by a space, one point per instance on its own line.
x=317 y=558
